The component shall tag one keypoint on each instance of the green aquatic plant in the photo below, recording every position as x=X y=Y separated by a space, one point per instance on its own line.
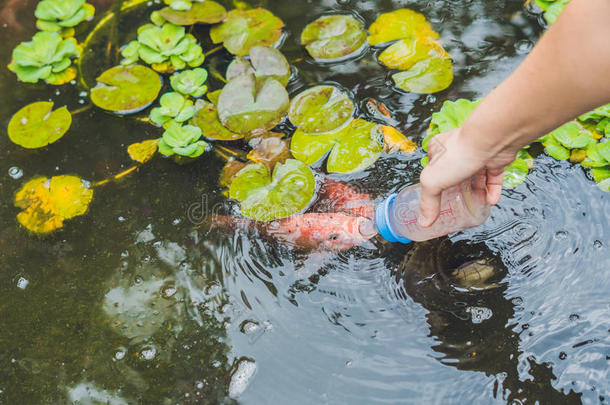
x=350 y=149
x=166 y=48
x=516 y=172
x=206 y=118
x=46 y=57
x=183 y=140
x=204 y=12
x=243 y=29
x=36 y=125
x=174 y=106
x=190 y=82
x=266 y=197
x=126 y=89
x=333 y=37
x=263 y=62
x=559 y=143
x=55 y=15
x=552 y=8
x=600 y=117
x=181 y=5
x=321 y=109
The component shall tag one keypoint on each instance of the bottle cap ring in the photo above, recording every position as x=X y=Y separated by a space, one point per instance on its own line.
x=382 y=221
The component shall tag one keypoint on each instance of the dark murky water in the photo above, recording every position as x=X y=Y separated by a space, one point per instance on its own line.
x=130 y=304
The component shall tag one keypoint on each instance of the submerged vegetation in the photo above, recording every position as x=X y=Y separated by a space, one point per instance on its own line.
x=275 y=180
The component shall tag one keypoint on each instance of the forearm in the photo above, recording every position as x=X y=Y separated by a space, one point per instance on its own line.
x=566 y=74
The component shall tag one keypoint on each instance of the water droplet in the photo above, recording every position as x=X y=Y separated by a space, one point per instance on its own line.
x=249 y=327
x=241 y=378
x=168 y=290
x=138 y=280
x=561 y=235
x=563 y=355
x=523 y=46
x=15 y=172
x=517 y=301
x=22 y=283
x=598 y=244
x=479 y=314
x=148 y=353
x=574 y=317
x=120 y=354
x=199 y=385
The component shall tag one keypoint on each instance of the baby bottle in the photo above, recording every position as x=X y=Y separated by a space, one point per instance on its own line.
x=462 y=207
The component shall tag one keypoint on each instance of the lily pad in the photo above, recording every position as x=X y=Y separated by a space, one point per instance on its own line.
x=46 y=203
x=405 y=53
x=243 y=29
x=321 y=109
x=352 y=148
x=264 y=62
x=142 y=152
x=269 y=151
x=206 y=118
x=206 y=12
x=516 y=172
x=399 y=24
x=264 y=198
x=126 y=89
x=333 y=37
x=247 y=104
x=35 y=125
x=426 y=76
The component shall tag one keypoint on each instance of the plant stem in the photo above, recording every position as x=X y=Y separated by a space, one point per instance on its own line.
x=116 y=176
x=213 y=50
x=82 y=109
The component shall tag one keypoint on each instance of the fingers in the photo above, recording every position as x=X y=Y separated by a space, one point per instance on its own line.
x=495 y=177
x=429 y=205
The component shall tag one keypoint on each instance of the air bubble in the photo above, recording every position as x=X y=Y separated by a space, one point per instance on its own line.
x=563 y=355
x=15 y=173
x=148 y=353
x=598 y=244
x=574 y=317
x=22 y=283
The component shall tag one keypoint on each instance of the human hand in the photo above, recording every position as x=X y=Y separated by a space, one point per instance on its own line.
x=454 y=158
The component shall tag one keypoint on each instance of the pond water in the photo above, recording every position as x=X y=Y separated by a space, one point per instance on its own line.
x=132 y=303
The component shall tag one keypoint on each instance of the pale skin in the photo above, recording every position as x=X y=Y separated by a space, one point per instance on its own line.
x=566 y=74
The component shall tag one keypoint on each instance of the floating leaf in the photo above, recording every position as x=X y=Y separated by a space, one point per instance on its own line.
x=47 y=56
x=333 y=37
x=394 y=141
x=213 y=96
x=264 y=62
x=190 y=82
x=554 y=10
x=229 y=170
x=321 y=109
x=35 y=125
x=269 y=151
x=54 y=15
x=595 y=155
x=557 y=151
x=166 y=49
x=207 y=120
x=399 y=24
x=206 y=12
x=451 y=115
x=143 y=151
x=174 y=106
x=126 y=89
x=597 y=114
x=247 y=104
x=243 y=29
x=46 y=203
x=604 y=151
x=352 y=148
x=516 y=172
x=183 y=140
x=287 y=192
x=407 y=52
x=600 y=173
x=604 y=185
x=426 y=76
x=570 y=136
x=180 y=4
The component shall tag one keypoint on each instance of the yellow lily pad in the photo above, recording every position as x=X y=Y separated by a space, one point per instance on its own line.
x=407 y=52
x=426 y=76
x=333 y=37
x=35 y=125
x=206 y=12
x=321 y=109
x=399 y=24
x=47 y=202
x=207 y=120
x=143 y=151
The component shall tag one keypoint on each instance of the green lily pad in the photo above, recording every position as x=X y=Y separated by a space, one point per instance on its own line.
x=207 y=120
x=407 y=52
x=451 y=115
x=426 y=76
x=213 y=96
x=206 y=12
x=570 y=136
x=321 y=109
x=399 y=24
x=333 y=37
x=265 y=198
x=247 y=104
x=35 y=125
x=352 y=148
x=126 y=89
x=243 y=29
x=516 y=172
x=264 y=62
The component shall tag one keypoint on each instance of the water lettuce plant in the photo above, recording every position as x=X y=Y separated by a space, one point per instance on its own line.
x=333 y=37
x=552 y=8
x=166 y=48
x=47 y=202
x=183 y=140
x=181 y=5
x=46 y=57
x=243 y=29
x=321 y=109
x=174 y=107
x=263 y=62
x=265 y=197
x=204 y=12
x=55 y=15
x=561 y=141
x=190 y=82
x=600 y=117
x=126 y=89
x=36 y=125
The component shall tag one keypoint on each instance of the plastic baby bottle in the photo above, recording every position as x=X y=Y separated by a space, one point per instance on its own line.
x=462 y=207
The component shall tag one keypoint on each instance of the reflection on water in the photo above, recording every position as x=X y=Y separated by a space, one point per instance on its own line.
x=131 y=304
